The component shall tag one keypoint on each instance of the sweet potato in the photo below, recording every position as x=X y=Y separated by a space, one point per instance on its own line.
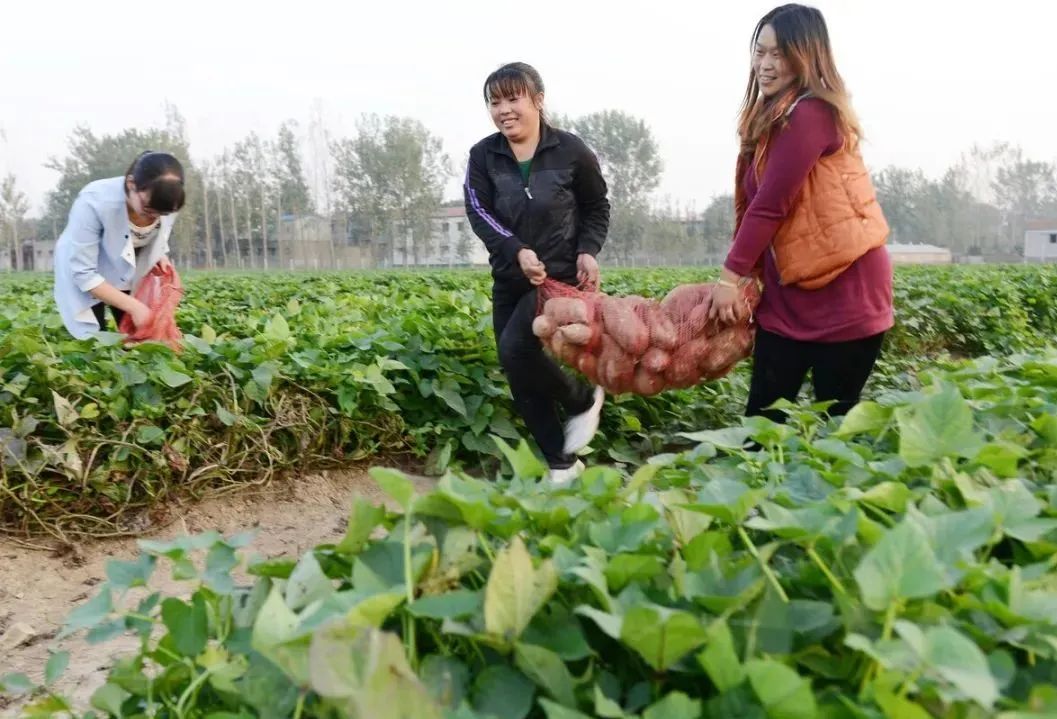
x=624 y=325
x=647 y=383
x=556 y=344
x=543 y=326
x=661 y=327
x=615 y=369
x=588 y=366
x=683 y=371
x=567 y=310
x=725 y=349
x=656 y=360
x=576 y=334
x=570 y=353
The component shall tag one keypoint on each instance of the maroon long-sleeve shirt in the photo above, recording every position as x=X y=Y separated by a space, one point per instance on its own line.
x=858 y=303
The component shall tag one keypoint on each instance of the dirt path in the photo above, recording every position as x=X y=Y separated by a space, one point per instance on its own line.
x=38 y=589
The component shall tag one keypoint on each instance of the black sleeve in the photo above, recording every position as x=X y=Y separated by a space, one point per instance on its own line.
x=477 y=195
x=591 y=195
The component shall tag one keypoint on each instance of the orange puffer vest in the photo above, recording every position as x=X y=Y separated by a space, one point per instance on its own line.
x=834 y=221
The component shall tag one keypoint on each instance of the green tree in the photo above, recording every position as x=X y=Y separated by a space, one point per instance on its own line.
x=392 y=174
x=13 y=209
x=631 y=164
x=717 y=227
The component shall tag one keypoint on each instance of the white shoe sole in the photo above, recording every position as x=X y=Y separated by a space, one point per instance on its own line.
x=581 y=429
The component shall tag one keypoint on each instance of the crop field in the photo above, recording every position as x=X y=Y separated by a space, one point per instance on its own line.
x=899 y=563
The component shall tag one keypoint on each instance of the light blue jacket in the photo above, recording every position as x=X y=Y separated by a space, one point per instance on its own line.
x=96 y=247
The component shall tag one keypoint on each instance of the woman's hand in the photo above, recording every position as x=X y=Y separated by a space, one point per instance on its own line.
x=163 y=264
x=725 y=304
x=587 y=269
x=141 y=314
x=531 y=266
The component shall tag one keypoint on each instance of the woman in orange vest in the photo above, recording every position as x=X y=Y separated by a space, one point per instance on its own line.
x=807 y=223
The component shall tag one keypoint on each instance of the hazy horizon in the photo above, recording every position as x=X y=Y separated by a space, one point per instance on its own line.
x=928 y=79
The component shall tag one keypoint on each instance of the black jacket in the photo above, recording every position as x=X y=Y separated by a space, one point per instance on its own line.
x=562 y=211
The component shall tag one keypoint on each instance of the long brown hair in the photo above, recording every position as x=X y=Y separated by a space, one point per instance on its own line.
x=804 y=42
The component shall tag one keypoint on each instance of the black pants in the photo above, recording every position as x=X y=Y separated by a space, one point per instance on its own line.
x=839 y=371
x=538 y=384
x=100 y=314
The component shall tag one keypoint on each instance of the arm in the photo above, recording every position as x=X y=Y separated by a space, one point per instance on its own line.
x=85 y=229
x=793 y=153
x=478 y=197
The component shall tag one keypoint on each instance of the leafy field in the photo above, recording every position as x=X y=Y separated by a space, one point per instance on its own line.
x=899 y=565
x=283 y=371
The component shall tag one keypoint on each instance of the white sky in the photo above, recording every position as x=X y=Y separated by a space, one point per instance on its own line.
x=928 y=78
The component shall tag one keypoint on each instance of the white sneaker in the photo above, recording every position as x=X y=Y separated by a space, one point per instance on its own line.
x=580 y=429
x=564 y=477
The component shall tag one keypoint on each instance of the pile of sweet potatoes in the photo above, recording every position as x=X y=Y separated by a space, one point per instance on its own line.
x=633 y=344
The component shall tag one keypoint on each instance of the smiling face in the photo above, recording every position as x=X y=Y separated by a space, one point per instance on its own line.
x=516 y=115
x=771 y=67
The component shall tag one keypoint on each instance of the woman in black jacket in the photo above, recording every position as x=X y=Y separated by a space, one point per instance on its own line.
x=536 y=197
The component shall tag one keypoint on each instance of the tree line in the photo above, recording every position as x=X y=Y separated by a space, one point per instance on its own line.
x=379 y=190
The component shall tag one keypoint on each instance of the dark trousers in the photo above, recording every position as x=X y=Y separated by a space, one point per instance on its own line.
x=839 y=371
x=99 y=309
x=538 y=384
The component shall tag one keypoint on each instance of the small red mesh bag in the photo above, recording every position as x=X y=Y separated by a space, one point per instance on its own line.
x=161 y=291
x=643 y=346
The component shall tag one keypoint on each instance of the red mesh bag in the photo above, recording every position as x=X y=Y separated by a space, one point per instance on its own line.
x=639 y=345
x=161 y=291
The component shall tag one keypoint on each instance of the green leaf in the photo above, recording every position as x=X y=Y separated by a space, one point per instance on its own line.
x=675 y=705
x=220 y=561
x=731 y=438
x=452 y=396
x=900 y=566
x=547 y=670
x=16 y=684
x=558 y=711
x=89 y=614
x=557 y=629
x=727 y=499
x=624 y=569
x=446 y=678
x=719 y=658
x=783 y=693
x=123 y=575
x=864 y=418
x=149 y=434
x=661 y=636
x=937 y=427
x=364 y=517
x=277 y=328
x=606 y=707
x=172 y=378
x=516 y=590
x=958 y=659
x=109 y=698
x=56 y=667
x=369 y=669
x=307 y=583
x=396 y=484
x=503 y=692
x=188 y=624
x=380 y=568
x=64 y=410
x=451 y=605
x=524 y=463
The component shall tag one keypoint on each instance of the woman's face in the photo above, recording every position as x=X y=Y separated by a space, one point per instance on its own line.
x=517 y=117
x=770 y=66
x=139 y=201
